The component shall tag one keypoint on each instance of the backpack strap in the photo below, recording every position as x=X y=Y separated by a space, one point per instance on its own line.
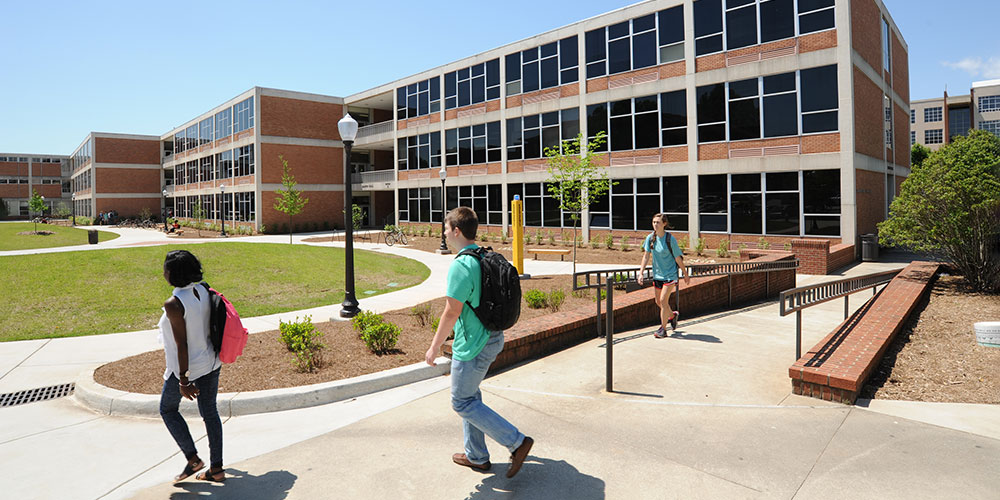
x=478 y=254
x=666 y=237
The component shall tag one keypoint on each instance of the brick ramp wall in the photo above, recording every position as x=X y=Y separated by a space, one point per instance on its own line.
x=539 y=336
x=838 y=366
x=840 y=256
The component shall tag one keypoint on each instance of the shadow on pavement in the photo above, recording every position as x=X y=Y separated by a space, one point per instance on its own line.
x=540 y=478
x=273 y=485
x=696 y=336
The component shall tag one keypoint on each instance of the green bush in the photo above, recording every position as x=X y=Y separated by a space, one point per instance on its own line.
x=683 y=243
x=484 y=237
x=579 y=240
x=595 y=244
x=556 y=299
x=788 y=246
x=723 y=250
x=503 y=238
x=381 y=337
x=763 y=244
x=551 y=238
x=699 y=247
x=301 y=338
x=536 y=299
x=364 y=319
x=609 y=241
x=624 y=243
x=422 y=312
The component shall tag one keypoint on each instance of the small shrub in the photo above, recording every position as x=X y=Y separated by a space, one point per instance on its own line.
x=723 y=250
x=595 y=244
x=683 y=243
x=527 y=239
x=551 y=238
x=609 y=241
x=624 y=243
x=422 y=312
x=536 y=299
x=264 y=229
x=434 y=325
x=788 y=246
x=699 y=247
x=742 y=246
x=364 y=319
x=579 y=240
x=300 y=337
x=381 y=337
x=485 y=237
x=503 y=238
x=538 y=237
x=763 y=244
x=556 y=299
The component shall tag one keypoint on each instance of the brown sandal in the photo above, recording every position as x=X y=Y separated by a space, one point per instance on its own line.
x=189 y=469
x=215 y=477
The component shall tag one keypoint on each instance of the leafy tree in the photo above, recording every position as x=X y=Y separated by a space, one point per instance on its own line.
x=357 y=216
x=199 y=214
x=918 y=153
x=36 y=204
x=576 y=179
x=950 y=207
x=289 y=200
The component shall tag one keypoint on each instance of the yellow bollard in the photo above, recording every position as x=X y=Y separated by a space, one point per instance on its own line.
x=517 y=227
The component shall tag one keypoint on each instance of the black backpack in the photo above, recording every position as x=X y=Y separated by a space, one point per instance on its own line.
x=666 y=236
x=500 y=298
x=217 y=317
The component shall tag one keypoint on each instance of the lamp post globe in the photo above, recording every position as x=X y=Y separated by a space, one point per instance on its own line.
x=73 y=206
x=443 y=174
x=348 y=128
x=165 y=211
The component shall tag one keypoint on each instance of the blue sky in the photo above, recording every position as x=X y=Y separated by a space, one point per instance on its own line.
x=67 y=68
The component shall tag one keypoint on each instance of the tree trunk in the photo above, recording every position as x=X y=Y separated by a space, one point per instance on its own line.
x=289 y=229
x=575 y=220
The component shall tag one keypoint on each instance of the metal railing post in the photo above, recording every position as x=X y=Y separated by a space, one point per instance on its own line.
x=598 y=300
x=609 y=336
x=798 y=335
x=847 y=305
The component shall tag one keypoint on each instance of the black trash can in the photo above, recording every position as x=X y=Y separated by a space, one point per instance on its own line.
x=869 y=247
x=92 y=236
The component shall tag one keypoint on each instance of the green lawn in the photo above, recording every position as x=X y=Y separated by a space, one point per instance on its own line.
x=64 y=236
x=122 y=290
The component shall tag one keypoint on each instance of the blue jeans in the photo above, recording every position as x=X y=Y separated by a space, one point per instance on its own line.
x=467 y=400
x=170 y=400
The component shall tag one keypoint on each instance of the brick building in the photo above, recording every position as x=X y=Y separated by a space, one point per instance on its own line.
x=119 y=172
x=20 y=174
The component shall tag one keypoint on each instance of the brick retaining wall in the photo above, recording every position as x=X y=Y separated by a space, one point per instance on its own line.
x=838 y=366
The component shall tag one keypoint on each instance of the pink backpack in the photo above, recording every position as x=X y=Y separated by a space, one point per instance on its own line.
x=225 y=328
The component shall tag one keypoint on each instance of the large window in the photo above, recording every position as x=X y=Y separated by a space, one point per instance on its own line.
x=780 y=105
x=415 y=205
x=418 y=99
x=180 y=141
x=419 y=151
x=206 y=168
x=744 y=109
x=242 y=115
x=913 y=116
x=207 y=134
x=886 y=47
x=712 y=112
x=933 y=114
x=486 y=201
x=473 y=144
x=819 y=99
x=959 y=122
x=638 y=43
x=640 y=122
x=745 y=201
x=821 y=202
x=244 y=161
x=992 y=126
x=988 y=103
x=529 y=136
x=244 y=210
x=934 y=136
x=550 y=65
x=224 y=165
x=781 y=201
x=192 y=136
x=713 y=209
x=749 y=22
x=472 y=85
x=223 y=123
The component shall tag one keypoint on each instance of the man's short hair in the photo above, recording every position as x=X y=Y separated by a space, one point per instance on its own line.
x=464 y=218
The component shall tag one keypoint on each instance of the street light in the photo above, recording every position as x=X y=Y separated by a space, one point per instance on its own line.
x=73 y=205
x=348 y=128
x=222 y=210
x=165 y=211
x=443 y=174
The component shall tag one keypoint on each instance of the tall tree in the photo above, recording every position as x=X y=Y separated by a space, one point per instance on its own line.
x=575 y=178
x=950 y=207
x=289 y=200
x=37 y=204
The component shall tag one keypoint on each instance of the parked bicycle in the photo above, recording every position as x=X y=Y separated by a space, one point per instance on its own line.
x=394 y=234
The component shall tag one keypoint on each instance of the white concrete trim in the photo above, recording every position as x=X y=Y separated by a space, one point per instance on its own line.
x=307 y=187
x=137 y=166
x=111 y=196
x=298 y=141
x=112 y=135
x=302 y=96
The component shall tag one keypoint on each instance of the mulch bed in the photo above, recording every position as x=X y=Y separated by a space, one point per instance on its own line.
x=267 y=364
x=935 y=357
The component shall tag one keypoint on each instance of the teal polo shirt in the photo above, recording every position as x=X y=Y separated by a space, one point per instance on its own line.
x=465 y=284
x=664 y=266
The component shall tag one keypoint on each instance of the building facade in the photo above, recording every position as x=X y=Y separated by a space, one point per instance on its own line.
x=936 y=122
x=21 y=174
x=740 y=119
x=116 y=172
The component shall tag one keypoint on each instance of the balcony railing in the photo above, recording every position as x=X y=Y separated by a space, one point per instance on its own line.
x=375 y=133
x=378 y=176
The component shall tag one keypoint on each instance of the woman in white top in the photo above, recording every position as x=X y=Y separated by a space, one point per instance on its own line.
x=192 y=364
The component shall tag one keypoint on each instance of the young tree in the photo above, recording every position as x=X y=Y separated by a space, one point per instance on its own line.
x=950 y=207
x=289 y=200
x=198 y=212
x=576 y=180
x=36 y=204
x=918 y=153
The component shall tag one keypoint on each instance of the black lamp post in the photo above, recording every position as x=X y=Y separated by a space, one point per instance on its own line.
x=443 y=174
x=165 y=211
x=222 y=210
x=73 y=205
x=348 y=131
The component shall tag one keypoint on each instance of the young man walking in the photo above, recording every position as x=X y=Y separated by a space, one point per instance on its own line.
x=473 y=351
x=667 y=259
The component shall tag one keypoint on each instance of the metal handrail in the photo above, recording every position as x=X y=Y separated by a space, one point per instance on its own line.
x=735 y=268
x=804 y=297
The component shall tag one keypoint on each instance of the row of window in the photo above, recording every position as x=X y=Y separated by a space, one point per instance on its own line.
x=23 y=159
x=529 y=136
x=419 y=151
x=236 y=162
x=934 y=136
x=933 y=114
x=640 y=122
x=992 y=126
x=637 y=43
x=83 y=181
x=231 y=120
x=24 y=180
x=472 y=85
x=236 y=206
x=785 y=203
x=418 y=99
x=81 y=155
x=989 y=103
x=742 y=23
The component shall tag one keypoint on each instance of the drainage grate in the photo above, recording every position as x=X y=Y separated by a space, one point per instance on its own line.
x=35 y=395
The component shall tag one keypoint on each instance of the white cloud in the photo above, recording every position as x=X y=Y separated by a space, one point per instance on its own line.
x=978 y=67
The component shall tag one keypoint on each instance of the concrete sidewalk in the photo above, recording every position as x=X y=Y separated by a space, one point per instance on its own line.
x=706 y=413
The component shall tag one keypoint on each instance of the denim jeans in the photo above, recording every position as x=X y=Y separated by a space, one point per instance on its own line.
x=467 y=400
x=170 y=400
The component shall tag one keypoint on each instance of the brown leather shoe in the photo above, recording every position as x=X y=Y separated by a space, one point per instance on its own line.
x=461 y=459
x=517 y=458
